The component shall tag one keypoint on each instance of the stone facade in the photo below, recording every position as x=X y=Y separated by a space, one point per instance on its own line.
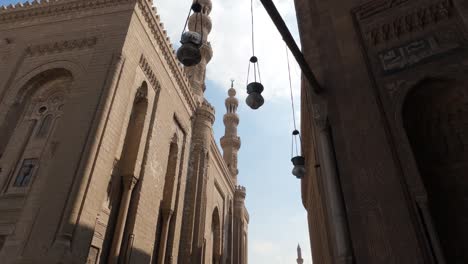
x=106 y=146
x=386 y=142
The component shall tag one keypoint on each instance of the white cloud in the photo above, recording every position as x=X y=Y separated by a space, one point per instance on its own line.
x=263 y=247
x=231 y=42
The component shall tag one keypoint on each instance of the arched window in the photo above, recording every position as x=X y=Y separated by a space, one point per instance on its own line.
x=28 y=127
x=163 y=228
x=216 y=237
x=435 y=117
x=44 y=126
x=128 y=168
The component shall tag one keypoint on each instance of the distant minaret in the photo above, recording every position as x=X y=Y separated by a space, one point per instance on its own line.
x=230 y=142
x=299 y=255
x=200 y=23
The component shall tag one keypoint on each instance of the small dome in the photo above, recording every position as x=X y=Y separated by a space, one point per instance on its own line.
x=232 y=92
x=207 y=3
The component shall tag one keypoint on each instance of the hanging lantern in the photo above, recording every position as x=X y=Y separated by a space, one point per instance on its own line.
x=254 y=89
x=298 y=161
x=189 y=53
x=255 y=99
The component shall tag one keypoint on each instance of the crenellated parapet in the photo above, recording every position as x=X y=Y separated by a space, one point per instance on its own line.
x=26 y=10
x=164 y=43
x=241 y=221
x=240 y=193
x=206 y=111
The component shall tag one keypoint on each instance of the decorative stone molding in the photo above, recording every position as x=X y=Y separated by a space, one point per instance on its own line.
x=149 y=73
x=168 y=52
x=206 y=110
x=141 y=95
x=371 y=8
x=415 y=20
x=61 y=46
x=27 y=10
x=240 y=192
x=400 y=34
x=234 y=142
x=231 y=118
x=395 y=86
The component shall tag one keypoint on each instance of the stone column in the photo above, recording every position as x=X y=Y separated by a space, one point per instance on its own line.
x=334 y=197
x=434 y=240
x=129 y=183
x=193 y=226
x=166 y=219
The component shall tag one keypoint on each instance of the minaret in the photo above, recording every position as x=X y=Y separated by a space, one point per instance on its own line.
x=299 y=255
x=200 y=23
x=230 y=142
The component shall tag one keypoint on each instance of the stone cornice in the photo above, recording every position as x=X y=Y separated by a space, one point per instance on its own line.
x=27 y=10
x=168 y=51
x=61 y=46
x=149 y=73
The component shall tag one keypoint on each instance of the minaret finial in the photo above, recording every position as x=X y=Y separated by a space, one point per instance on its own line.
x=232 y=83
x=299 y=255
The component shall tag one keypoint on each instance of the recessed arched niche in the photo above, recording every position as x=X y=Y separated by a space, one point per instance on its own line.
x=435 y=115
x=216 y=236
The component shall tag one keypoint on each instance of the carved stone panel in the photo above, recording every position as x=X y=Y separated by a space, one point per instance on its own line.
x=408 y=38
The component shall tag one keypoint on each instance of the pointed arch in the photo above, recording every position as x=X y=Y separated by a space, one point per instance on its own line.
x=33 y=90
x=129 y=172
x=216 y=233
x=435 y=114
x=28 y=125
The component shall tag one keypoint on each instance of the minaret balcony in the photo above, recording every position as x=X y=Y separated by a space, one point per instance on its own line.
x=231 y=118
x=233 y=142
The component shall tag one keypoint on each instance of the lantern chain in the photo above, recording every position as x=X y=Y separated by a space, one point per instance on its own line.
x=186 y=21
x=254 y=100
x=253 y=36
x=295 y=132
x=291 y=89
x=248 y=74
x=192 y=8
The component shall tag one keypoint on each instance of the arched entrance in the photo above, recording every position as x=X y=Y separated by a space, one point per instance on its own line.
x=435 y=117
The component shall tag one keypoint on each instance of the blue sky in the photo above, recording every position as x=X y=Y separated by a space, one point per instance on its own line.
x=277 y=218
